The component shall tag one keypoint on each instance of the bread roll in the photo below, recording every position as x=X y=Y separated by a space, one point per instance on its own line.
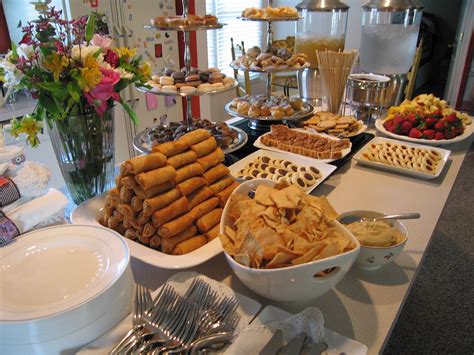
x=145 y=163
x=189 y=245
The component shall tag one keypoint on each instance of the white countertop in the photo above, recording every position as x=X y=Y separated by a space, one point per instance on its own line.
x=365 y=304
x=22 y=106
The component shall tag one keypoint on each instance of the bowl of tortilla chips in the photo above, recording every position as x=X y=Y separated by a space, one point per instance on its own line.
x=283 y=244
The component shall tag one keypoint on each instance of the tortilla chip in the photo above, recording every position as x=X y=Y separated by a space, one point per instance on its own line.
x=234 y=210
x=262 y=195
x=328 y=210
x=227 y=244
x=269 y=241
x=243 y=259
x=230 y=233
x=307 y=257
x=252 y=247
x=330 y=250
x=279 y=259
x=300 y=244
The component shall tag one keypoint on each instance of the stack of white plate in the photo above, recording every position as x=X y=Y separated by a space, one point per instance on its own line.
x=62 y=287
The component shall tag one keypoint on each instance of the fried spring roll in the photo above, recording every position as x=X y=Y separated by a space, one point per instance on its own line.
x=215 y=173
x=155 y=242
x=142 y=239
x=149 y=230
x=112 y=223
x=114 y=195
x=142 y=218
x=126 y=211
x=117 y=216
x=156 y=177
x=120 y=229
x=145 y=163
x=129 y=181
x=182 y=159
x=130 y=234
x=213 y=232
x=166 y=214
x=225 y=194
x=136 y=204
x=170 y=148
x=222 y=184
x=195 y=137
x=204 y=207
x=118 y=181
x=126 y=223
x=199 y=196
x=189 y=245
x=175 y=226
x=209 y=220
x=212 y=159
x=190 y=185
x=168 y=244
x=153 y=191
x=153 y=204
x=123 y=169
x=188 y=171
x=205 y=147
x=126 y=195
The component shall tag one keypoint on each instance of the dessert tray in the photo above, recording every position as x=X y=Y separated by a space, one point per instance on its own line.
x=306 y=110
x=392 y=155
x=198 y=92
x=187 y=28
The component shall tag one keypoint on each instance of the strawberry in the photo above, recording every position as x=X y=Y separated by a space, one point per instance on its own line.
x=452 y=118
x=439 y=135
x=431 y=121
x=429 y=133
x=415 y=133
x=398 y=120
x=406 y=127
x=437 y=114
x=450 y=133
x=422 y=126
x=413 y=118
x=438 y=126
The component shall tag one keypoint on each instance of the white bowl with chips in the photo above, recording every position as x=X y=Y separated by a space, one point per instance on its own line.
x=371 y=257
x=297 y=283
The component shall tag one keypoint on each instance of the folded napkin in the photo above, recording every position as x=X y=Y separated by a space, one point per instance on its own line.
x=21 y=219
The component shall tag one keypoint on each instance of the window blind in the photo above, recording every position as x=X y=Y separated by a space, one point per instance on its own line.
x=218 y=42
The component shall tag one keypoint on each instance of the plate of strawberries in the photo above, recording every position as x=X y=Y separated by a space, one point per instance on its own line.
x=432 y=129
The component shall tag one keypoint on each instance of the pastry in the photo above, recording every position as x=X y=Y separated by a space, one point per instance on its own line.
x=277 y=112
x=217 y=86
x=216 y=77
x=178 y=77
x=169 y=88
x=204 y=87
x=187 y=89
x=166 y=80
x=194 y=20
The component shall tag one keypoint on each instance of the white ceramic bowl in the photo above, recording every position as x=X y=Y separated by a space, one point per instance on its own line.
x=372 y=258
x=62 y=287
x=293 y=283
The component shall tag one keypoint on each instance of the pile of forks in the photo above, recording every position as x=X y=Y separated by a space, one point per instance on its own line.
x=172 y=324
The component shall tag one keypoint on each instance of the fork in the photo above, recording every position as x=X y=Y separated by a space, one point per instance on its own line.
x=141 y=303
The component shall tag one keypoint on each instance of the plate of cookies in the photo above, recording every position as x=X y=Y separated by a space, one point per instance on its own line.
x=401 y=157
x=167 y=204
x=278 y=13
x=185 y=23
x=277 y=107
x=263 y=164
x=196 y=82
x=335 y=125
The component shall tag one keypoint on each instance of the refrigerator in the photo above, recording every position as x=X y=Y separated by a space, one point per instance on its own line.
x=126 y=20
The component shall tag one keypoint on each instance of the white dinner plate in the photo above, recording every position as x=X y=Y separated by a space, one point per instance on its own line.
x=52 y=270
x=341 y=344
x=89 y=213
x=467 y=133
x=379 y=140
x=247 y=310
x=258 y=143
x=300 y=160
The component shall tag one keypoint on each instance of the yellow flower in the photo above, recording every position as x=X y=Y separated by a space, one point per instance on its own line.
x=29 y=126
x=126 y=52
x=90 y=73
x=145 y=69
x=55 y=63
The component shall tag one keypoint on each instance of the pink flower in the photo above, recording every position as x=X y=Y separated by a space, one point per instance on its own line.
x=104 y=91
x=100 y=41
x=112 y=58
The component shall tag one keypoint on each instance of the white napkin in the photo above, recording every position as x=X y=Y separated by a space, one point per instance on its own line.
x=253 y=338
x=29 y=214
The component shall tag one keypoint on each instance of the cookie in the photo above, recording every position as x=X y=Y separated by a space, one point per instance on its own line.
x=327 y=124
x=166 y=80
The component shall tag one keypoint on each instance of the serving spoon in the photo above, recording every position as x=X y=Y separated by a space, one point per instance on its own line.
x=353 y=218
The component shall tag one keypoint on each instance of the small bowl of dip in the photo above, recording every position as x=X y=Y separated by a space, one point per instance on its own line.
x=380 y=241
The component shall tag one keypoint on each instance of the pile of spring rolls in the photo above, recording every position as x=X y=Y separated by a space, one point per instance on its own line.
x=171 y=199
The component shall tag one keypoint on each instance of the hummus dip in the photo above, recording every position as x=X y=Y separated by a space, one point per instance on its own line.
x=375 y=234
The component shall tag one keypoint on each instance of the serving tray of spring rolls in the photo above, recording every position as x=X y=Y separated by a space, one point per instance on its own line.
x=167 y=204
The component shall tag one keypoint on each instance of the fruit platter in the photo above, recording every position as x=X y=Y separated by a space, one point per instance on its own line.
x=426 y=119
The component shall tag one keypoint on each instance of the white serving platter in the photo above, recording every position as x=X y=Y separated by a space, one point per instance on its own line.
x=89 y=213
x=258 y=143
x=467 y=133
x=341 y=344
x=379 y=140
x=247 y=310
x=325 y=169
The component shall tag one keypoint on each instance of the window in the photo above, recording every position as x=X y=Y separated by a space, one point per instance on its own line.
x=218 y=42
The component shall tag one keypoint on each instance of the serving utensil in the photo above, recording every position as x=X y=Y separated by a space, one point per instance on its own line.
x=354 y=218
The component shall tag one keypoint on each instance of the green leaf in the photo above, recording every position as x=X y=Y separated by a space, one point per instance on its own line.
x=90 y=28
x=131 y=113
x=49 y=105
x=74 y=90
x=57 y=89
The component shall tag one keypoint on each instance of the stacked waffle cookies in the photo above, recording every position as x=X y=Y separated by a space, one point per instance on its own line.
x=171 y=199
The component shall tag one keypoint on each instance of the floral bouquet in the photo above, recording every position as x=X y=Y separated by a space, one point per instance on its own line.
x=76 y=75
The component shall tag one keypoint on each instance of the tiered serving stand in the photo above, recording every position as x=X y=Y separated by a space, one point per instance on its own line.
x=263 y=122
x=141 y=141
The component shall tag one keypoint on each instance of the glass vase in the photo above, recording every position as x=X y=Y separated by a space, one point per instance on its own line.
x=84 y=147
